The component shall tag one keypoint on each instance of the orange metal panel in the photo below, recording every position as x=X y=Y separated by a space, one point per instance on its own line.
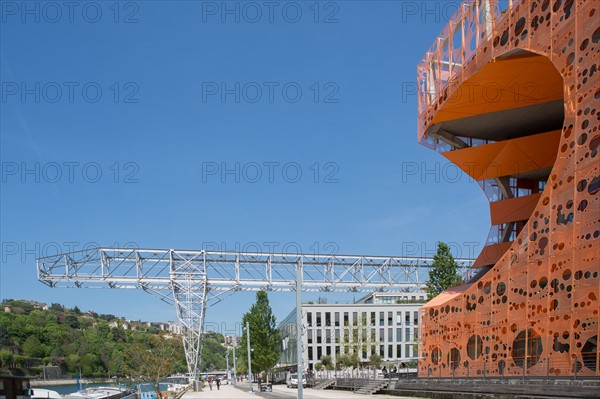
x=491 y=254
x=537 y=310
x=504 y=84
x=513 y=209
x=509 y=157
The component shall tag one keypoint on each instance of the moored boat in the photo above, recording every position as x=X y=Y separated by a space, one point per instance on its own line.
x=102 y=393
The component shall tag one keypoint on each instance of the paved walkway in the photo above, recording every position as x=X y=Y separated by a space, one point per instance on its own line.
x=226 y=392
x=229 y=392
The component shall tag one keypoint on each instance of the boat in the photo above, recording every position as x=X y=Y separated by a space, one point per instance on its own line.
x=39 y=393
x=102 y=393
x=177 y=383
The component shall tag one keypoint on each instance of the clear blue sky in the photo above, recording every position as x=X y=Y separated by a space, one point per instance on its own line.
x=162 y=131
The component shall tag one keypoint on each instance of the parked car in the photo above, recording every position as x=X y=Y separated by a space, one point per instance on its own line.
x=292 y=380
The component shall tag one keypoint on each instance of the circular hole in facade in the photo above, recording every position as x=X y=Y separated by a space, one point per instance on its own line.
x=474 y=347
x=454 y=358
x=436 y=355
x=589 y=353
x=527 y=347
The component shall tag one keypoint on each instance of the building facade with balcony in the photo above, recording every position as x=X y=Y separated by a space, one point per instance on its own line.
x=509 y=92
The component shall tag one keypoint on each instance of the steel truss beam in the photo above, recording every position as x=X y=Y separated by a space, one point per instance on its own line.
x=190 y=279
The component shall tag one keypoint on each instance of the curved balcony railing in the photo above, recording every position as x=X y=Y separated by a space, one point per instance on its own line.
x=473 y=24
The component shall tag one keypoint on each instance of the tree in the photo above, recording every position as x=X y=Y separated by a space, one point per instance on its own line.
x=264 y=335
x=356 y=341
x=6 y=358
x=4 y=336
x=154 y=362
x=375 y=360
x=326 y=361
x=213 y=352
x=444 y=272
x=33 y=347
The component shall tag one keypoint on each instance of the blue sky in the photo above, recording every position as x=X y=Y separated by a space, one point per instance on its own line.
x=117 y=125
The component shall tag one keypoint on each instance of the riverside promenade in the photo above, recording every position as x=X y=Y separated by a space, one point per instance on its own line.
x=279 y=391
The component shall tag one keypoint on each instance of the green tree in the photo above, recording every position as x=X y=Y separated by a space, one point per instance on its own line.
x=326 y=361
x=33 y=347
x=264 y=335
x=348 y=360
x=213 y=352
x=375 y=360
x=444 y=272
x=154 y=361
x=4 y=336
x=6 y=358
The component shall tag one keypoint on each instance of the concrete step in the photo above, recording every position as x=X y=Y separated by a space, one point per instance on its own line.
x=324 y=384
x=371 y=387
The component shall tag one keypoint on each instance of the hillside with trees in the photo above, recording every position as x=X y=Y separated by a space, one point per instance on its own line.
x=33 y=335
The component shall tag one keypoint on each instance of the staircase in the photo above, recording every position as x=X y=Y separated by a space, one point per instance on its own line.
x=371 y=387
x=324 y=384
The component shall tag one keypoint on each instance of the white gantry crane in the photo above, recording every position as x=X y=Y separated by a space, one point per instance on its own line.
x=191 y=279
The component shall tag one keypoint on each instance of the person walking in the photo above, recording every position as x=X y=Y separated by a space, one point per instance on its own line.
x=218 y=384
x=210 y=382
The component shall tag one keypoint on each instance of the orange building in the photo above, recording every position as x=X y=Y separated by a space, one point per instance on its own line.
x=510 y=93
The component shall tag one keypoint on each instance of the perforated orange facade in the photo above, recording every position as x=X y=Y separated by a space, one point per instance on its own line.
x=510 y=92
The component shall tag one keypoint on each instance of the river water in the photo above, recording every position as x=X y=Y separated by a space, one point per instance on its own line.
x=70 y=388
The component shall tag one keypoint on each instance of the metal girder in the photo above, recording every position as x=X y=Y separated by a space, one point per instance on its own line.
x=152 y=270
x=190 y=279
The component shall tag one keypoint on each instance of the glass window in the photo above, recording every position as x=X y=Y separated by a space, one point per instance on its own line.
x=391 y=351
x=318 y=319
x=318 y=336
x=381 y=334
x=399 y=351
x=345 y=318
x=381 y=351
x=390 y=334
x=416 y=318
x=328 y=350
x=372 y=318
x=328 y=319
x=407 y=334
x=310 y=353
x=328 y=336
x=354 y=318
x=319 y=352
x=337 y=319
x=381 y=318
x=309 y=337
x=309 y=319
x=407 y=318
x=390 y=318
x=398 y=318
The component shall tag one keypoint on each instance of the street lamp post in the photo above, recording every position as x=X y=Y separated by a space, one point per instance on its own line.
x=234 y=366
x=228 y=369
x=249 y=353
x=299 y=349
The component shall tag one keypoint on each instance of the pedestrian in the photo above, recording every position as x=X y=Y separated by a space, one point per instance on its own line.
x=218 y=384
x=210 y=382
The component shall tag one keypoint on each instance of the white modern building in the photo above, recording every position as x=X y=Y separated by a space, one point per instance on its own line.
x=383 y=323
